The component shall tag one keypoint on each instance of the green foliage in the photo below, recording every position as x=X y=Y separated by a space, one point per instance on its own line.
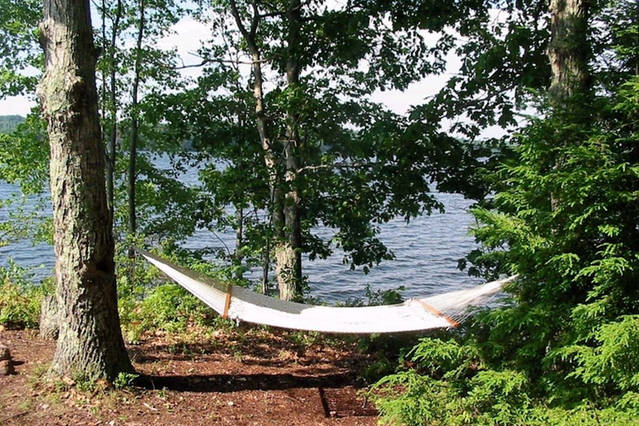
x=433 y=392
x=504 y=64
x=444 y=358
x=24 y=155
x=377 y=297
x=147 y=303
x=125 y=380
x=20 y=297
x=359 y=165
x=170 y=307
x=412 y=399
x=24 y=221
x=562 y=349
x=378 y=368
x=24 y=162
x=613 y=360
x=20 y=54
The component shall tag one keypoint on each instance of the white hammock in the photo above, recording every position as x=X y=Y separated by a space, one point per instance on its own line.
x=238 y=303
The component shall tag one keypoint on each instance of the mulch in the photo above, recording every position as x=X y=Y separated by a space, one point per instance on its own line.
x=247 y=376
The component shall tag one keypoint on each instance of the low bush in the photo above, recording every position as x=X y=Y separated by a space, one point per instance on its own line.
x=448 y=384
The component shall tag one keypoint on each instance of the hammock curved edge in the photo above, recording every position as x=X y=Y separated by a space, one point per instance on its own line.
x=248 y=306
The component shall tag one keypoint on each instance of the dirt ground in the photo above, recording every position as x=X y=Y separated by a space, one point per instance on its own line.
x=247 y=377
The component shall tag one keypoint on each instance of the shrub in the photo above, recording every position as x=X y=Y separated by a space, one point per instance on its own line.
x=171 y=308
x=147 y=302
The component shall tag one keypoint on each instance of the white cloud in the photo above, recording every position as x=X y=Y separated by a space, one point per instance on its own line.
x=16 y=105
x=187 y=35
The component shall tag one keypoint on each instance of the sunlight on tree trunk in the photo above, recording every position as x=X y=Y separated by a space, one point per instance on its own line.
x=289 y=256
x=283 y=209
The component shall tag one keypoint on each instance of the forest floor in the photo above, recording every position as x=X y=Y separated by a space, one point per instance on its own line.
x=246 y=376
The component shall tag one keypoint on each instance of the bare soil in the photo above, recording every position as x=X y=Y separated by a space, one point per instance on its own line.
x=250 y=376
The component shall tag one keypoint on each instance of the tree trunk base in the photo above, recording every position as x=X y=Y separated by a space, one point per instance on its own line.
x=285 y=269
x=49 y=318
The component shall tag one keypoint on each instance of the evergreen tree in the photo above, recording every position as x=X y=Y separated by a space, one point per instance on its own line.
x=562 y=349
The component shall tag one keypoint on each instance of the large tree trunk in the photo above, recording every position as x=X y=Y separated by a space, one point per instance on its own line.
x=289 y=255
x=568 y=50
x=90 y=342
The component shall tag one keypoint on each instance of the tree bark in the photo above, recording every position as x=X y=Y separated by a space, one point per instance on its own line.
x=90 y=341
x=49 y=319
x=568 y=53
x=271 y=160
x=568 y=50
x=289 y=255
x=133 y=149
x=111 y=152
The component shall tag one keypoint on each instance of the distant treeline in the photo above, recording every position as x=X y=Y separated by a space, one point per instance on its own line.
x=8 y=123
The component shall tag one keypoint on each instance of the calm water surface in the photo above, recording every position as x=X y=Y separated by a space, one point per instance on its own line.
x=427 y=250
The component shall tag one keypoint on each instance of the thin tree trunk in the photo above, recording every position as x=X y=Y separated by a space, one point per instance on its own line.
x=270 y=157
x=102 y=102
x=568 y=50
x=90 y=341
x=285 y=207
x=239 y=242
x=270 y=160
x=133 y=153
x=266 y=265
x=111 y=157
x=289 y=257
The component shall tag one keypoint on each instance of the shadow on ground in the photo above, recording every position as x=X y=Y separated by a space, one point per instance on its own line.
x=241 y=382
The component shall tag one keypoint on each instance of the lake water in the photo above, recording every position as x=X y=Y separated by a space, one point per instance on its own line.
x=427 y=250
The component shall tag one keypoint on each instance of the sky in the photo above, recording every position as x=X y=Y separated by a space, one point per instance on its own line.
x=188 y=35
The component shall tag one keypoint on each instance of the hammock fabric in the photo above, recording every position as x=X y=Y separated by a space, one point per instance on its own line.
x=440 y=311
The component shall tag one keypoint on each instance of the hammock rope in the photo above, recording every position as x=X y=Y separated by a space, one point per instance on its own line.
x=444 y=310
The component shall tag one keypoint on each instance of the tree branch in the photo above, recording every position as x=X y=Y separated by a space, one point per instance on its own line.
x=240 y=25
x=336 y=166
x=219 y=61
